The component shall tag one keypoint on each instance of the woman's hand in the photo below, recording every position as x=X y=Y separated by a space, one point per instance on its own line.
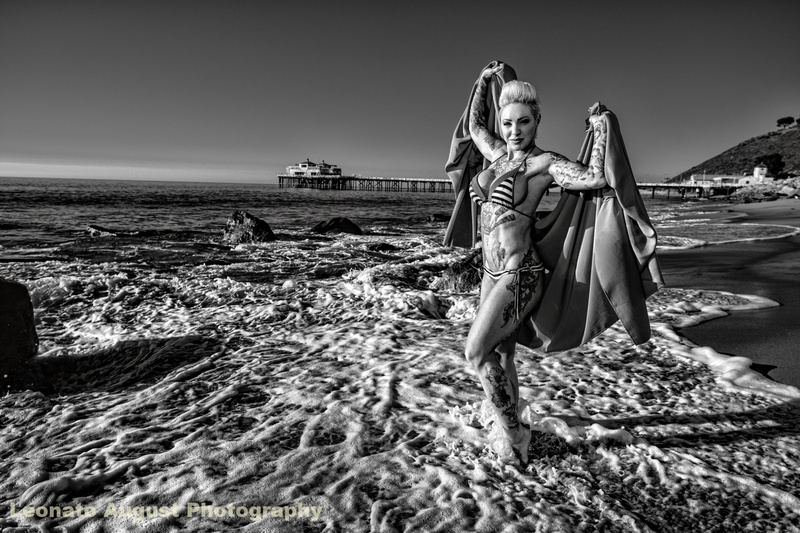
x=493 y=68
x=595 y=113
x=597 y=109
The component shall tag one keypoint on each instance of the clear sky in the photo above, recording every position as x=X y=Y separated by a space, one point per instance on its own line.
x=236 y=90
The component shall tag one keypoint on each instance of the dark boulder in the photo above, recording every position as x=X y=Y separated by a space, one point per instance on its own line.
x=439 y=217
x=244 y=227
x=338 y=225
x=18 y=339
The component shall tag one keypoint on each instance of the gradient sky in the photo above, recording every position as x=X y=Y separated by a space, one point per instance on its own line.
x=236 y=90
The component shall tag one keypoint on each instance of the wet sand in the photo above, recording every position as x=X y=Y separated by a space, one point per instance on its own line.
x=768 y=268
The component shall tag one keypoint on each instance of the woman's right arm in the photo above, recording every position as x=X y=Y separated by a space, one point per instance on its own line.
x=490 y=146
x=577 y=176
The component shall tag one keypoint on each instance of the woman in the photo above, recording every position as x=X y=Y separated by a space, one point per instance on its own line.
x=508 y=193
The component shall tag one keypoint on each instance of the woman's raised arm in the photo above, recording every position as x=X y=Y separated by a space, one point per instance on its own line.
x=577 y=176
x=490 y=146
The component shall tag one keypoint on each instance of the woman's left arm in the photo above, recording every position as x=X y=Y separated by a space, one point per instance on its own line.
x=577 y=176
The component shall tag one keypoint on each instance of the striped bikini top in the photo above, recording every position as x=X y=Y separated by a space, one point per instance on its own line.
x=501 y=190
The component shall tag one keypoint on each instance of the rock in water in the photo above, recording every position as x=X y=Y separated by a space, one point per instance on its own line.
x=338 y=224
x=18 y=339
x=244 y=227
x=381 y=247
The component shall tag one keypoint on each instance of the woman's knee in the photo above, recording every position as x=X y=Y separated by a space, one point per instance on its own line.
x=476 y=355
x=473 y=357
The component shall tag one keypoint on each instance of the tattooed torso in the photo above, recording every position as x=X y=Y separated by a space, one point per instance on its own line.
x=506 y=232
x=506 y=236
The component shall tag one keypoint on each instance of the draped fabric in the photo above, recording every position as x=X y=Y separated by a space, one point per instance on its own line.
x=598 y=247
x=600 y=250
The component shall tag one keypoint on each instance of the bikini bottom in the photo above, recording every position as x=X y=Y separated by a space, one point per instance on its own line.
x=516 y=282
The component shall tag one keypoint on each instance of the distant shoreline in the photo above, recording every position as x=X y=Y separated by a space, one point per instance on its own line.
x=762 y=267
x=782 y=211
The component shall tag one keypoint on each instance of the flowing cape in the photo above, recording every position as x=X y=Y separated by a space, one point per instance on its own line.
x=599 y=250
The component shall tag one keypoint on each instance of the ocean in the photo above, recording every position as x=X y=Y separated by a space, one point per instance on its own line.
x=318 y=383
x=39 y=215
x=53 y=211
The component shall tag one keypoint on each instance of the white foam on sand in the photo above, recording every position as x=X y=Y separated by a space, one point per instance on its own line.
x=685 y=235
x=347 y=400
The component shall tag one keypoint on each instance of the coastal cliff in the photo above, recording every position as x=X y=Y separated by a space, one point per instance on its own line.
x=741 y=159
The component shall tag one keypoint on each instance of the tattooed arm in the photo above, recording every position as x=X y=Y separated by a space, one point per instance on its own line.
x=577 y=176
x=490 y=146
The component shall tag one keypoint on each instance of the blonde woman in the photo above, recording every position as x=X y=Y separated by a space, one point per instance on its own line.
x=508 y=193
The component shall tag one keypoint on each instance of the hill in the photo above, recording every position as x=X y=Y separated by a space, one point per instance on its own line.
x=741 y=159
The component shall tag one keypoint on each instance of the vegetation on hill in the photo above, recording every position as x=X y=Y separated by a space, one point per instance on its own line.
x=778 y=150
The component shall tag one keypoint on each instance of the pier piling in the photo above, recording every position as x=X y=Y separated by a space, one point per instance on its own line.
x=364 y=183
x=700 y=188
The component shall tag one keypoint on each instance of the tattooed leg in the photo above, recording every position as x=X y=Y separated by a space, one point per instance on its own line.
x=501 y=395
x=490 y=347
x=491 y=367
x=523 y=286
x=508 y=310
x=505 y=354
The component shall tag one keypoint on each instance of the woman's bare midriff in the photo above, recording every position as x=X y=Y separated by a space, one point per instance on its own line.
x=506 y=237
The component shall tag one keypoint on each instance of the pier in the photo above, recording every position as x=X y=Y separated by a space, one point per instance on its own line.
x=700 y=189
x=364 y=183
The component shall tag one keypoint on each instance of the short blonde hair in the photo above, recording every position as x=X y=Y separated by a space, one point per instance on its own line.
x=521 y=92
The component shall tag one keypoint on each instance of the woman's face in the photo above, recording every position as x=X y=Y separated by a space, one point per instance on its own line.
x=518 y=126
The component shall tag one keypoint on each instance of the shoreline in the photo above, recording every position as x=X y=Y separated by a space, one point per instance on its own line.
x=763 y=268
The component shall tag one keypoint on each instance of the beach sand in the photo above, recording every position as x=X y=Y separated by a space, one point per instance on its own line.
x=767 y=268
x=187 y=399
